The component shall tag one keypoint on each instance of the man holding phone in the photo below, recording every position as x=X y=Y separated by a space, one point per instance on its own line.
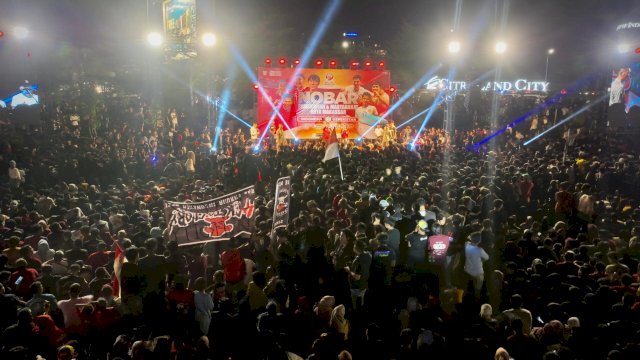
x=22 y=278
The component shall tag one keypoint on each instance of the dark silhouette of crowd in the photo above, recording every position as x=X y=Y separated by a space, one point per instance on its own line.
x=540 y=262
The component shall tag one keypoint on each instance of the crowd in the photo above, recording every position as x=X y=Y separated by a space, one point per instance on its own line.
x=541 y=258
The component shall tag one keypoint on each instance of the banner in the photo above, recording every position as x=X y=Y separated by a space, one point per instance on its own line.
x=281 y=206
x=213 y=220
x=179 y=18
x=351 y=101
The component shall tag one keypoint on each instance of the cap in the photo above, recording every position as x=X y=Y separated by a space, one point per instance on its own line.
x=422 y=224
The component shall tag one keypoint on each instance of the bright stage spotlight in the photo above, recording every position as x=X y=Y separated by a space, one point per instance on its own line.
x=209 y=39
x=20 y=32
x=551 y=51
x=345 y=44
x=501 y=47
x=624 y=48
x=154 y=39
x=454 y=47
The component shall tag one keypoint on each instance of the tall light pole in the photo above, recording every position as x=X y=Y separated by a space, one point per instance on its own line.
x=546 y=68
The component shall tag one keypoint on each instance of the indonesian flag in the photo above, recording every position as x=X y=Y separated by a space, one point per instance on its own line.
x=117 y=269
x=332 y=149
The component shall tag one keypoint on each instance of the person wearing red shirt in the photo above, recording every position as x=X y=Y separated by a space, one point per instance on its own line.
x=99 y=258
x=22 y=278
x=181 y=299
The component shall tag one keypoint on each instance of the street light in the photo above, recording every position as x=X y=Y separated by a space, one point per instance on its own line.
x=546 y=68
x=20 y=32
x=501 y=47
x=209 y=39
x=454 y=47
x=154 y=39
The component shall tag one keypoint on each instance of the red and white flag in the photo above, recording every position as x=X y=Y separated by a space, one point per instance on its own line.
x=117 y=270
x=332 y=149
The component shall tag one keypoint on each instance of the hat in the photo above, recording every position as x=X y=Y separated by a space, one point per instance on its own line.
x=422 y=224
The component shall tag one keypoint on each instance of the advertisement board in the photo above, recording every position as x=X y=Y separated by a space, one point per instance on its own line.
x=351 y=101
x=179 y=19
x=624 y=89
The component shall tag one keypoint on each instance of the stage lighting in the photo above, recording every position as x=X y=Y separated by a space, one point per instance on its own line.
x=333 y=64
x=256 y=86
x=354 y=64
x=624 y=48
x=319 y=63
x=367 y=64
x=209 y=39
x=267 y=61
x=381 y=65
x=20 y=32
x=282 y=61
x=392 y=89
x=1 y=34
x=154 y=39
x=501 y=47
x=345 y=44
x=454 y=47
x=551 y=51
x=296 y=61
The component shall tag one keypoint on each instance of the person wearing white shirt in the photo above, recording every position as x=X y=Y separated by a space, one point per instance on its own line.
x=474 y=257
x=355 y=91
x=15 y=175
x=69 y=308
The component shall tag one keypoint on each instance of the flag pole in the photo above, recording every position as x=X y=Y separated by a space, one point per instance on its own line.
x=340 y=163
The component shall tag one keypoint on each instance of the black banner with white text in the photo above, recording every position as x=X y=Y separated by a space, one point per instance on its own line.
x=213 y=220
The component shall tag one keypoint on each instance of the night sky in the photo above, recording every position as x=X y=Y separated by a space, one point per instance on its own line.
x=414 y=32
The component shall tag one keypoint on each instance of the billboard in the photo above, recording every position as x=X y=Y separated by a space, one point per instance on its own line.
x=179 y=19
x=351 y=101
x=624 y=96
x=27 y=95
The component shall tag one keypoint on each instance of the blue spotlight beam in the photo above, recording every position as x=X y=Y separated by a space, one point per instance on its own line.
x=318 y=32
x=204 y=96
x=567 y=119
x=237 y=118
x=551 y=101
x=413 y=88
x=304 y=59
x=436 y=102
x=432 y=109
x=471 y=84
x=414 y=117
x=249 y=72
x=224 y=104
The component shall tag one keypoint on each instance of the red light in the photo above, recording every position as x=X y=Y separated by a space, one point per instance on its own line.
x=296 y=61
x=381 y=64
x=333 y=63
x=563 y=91
x=255 y=86
x=392 y=89
x=282 y=61
x=267 y=61
x=637 y=49
x=367 y=63
x=318 y=62
x=1 y=34
x=354 y=64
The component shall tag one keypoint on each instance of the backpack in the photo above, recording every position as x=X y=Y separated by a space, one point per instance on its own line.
x=234 y=267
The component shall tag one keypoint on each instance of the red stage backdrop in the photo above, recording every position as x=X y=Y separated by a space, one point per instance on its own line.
x=349 y=100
